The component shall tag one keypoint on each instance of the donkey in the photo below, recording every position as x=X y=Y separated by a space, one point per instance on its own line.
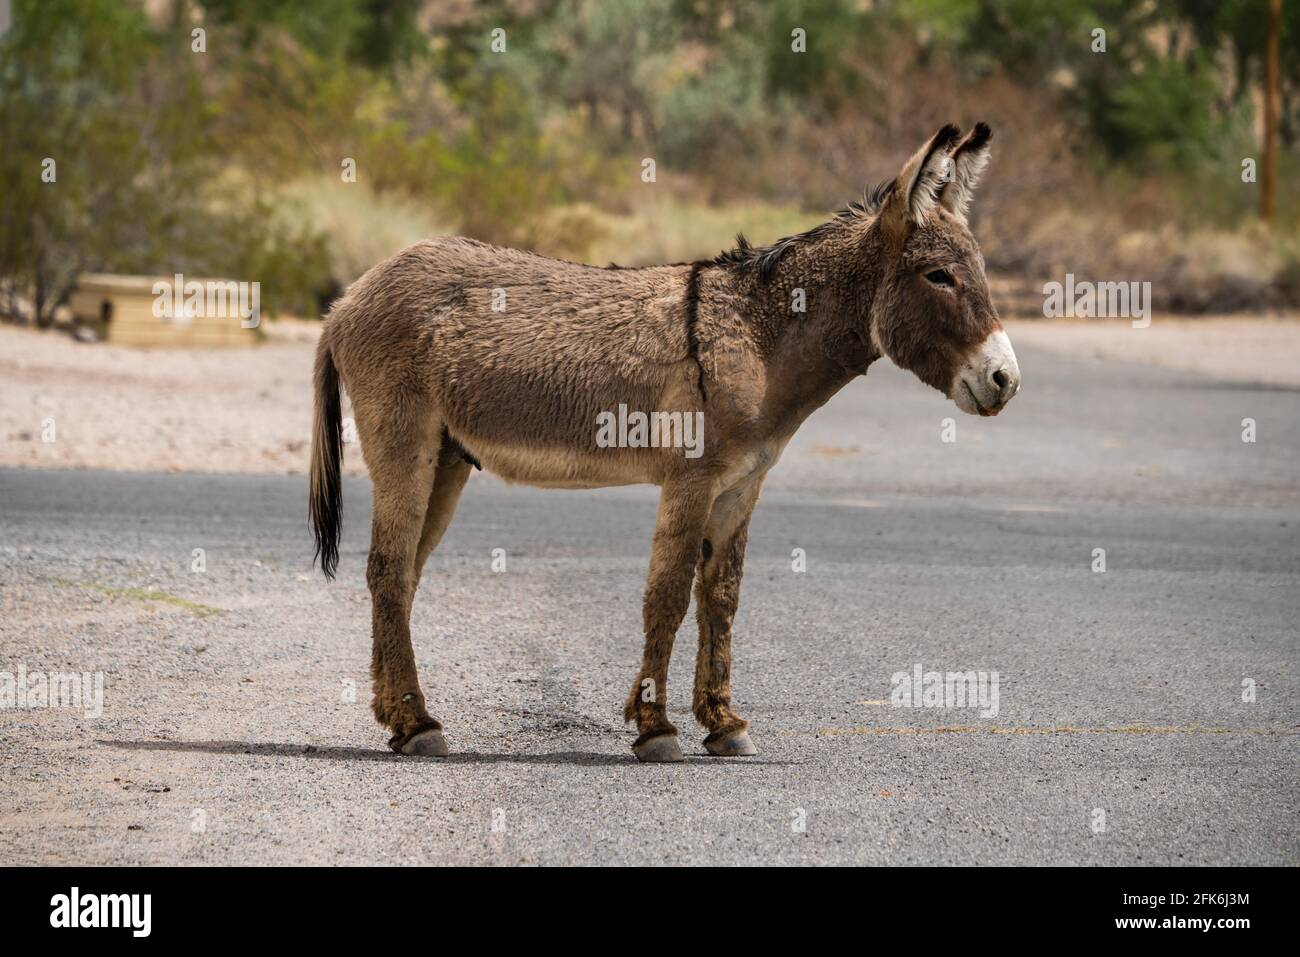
x=459 y=355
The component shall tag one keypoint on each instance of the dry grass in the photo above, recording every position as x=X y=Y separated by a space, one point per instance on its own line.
x=665 y=229
x=363 y=227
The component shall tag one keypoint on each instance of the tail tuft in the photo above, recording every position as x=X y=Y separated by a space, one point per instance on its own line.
x=325 y=498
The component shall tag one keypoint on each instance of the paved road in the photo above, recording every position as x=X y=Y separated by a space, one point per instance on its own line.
x=227 y=734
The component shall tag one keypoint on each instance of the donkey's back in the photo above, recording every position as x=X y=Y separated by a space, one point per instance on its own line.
x=504 y=303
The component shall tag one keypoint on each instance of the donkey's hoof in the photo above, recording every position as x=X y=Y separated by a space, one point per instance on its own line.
x=426 y=744
x=733 y=745
x=661 y=749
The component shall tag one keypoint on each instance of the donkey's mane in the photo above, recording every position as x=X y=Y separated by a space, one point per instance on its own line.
x=764 y=259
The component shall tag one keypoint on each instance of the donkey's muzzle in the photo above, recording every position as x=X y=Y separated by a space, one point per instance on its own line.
x=989 y=379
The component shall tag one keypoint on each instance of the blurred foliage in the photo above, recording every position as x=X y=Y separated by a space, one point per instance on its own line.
x=137 y=165
x=228 y=162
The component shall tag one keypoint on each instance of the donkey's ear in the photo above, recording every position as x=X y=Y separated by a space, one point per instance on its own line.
x=916 y=189
x=968 y=162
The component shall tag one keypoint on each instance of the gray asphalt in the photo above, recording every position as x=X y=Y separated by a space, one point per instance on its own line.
x=1119 y=692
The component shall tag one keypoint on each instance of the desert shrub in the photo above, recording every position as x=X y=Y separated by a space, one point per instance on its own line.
x=1162 y=114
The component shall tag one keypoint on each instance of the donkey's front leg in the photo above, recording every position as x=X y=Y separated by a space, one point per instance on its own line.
x=679 y=529
x=717 y=594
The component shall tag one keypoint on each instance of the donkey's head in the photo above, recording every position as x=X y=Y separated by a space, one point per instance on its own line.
x=932 y=314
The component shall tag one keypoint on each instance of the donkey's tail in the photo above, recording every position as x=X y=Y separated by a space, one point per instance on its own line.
x=325 y=498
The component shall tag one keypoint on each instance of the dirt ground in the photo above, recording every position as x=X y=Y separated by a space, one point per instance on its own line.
x=66 y=404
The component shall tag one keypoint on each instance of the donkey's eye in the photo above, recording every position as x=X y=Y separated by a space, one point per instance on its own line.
x=941 y=277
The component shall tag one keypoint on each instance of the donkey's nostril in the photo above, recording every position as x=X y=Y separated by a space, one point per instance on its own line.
x=1001 y=379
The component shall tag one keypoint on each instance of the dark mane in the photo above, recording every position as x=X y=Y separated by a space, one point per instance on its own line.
x=766 y=258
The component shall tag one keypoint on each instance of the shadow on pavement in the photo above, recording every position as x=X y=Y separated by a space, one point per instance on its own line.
x=272 y=749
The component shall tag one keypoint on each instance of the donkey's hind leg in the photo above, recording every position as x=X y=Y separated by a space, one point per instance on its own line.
x=401 y=453
x=450 y=474
x=453 y=471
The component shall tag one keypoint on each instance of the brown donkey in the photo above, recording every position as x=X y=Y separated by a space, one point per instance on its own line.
x=458 y=354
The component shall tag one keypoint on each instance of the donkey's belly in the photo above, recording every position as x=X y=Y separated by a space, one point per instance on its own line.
x=575 y=429
x=566 y=468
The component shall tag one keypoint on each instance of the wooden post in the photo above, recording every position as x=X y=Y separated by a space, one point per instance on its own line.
x=1267 y=196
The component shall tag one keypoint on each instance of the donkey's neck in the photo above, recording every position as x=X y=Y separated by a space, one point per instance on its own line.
x=821 y=292
x=808 y=321
x=835 y=280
